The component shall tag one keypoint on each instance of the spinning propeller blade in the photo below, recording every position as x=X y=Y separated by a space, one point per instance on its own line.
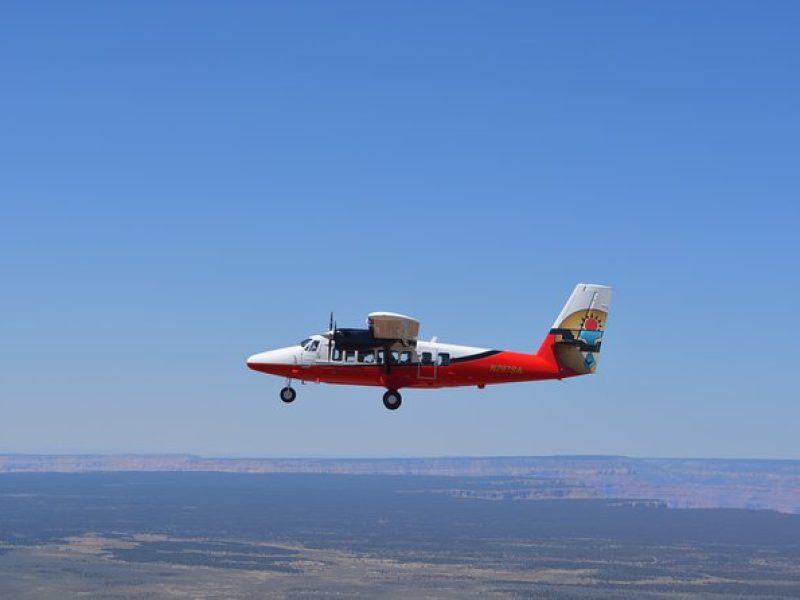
x=332 y=329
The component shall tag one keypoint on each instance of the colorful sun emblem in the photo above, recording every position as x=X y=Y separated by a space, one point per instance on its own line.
x=590 y=331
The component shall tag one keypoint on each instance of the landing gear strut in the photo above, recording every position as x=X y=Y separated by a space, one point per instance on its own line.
x=288 y=394
x=392 y=399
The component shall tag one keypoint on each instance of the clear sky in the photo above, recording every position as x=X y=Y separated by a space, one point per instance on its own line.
x=184 y=184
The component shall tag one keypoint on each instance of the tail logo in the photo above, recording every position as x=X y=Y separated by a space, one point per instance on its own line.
x=583 y=329
x=579 y=338
x=591 y=332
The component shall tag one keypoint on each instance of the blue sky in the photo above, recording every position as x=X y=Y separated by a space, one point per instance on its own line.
x=185 y=184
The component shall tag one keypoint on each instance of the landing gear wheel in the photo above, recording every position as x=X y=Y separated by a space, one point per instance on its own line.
x=392 y=399
x=288 y=394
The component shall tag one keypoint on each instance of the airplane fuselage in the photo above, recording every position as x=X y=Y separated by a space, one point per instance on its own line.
x=429 y=365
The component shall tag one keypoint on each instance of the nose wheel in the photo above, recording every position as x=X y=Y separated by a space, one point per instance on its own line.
x=392 y=399
x=288 y=394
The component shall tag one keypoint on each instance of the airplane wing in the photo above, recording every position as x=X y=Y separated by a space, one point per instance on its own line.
x=393 y=326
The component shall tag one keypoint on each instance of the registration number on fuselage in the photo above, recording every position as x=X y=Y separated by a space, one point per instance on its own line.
x=505 y=369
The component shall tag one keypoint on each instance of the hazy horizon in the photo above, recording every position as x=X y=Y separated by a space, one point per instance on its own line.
x=386 y=457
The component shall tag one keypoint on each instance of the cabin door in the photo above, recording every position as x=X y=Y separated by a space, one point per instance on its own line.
x=428 y=369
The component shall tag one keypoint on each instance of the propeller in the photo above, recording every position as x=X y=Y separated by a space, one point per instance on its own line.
x=331 y=335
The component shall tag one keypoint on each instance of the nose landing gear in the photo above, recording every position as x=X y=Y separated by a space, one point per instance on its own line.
x=288 y=394
x=392 y=399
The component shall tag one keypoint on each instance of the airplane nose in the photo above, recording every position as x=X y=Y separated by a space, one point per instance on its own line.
x=255 y=360
x=270 y=357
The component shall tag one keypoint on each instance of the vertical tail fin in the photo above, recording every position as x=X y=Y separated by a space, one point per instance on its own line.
x=577 y=334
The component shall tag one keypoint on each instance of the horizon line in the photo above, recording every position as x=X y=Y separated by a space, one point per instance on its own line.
x=380 y=458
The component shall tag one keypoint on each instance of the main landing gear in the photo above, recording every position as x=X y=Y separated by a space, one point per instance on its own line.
x=392 y=399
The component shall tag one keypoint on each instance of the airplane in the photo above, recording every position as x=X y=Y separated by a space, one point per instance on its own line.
x=389 y=354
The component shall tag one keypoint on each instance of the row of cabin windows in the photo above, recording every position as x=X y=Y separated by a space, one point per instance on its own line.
x=372 y=357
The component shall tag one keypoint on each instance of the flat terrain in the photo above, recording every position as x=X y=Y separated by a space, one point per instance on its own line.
x=220 y=535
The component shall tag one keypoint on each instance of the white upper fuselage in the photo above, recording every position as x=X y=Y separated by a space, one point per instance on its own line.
x=314 y=350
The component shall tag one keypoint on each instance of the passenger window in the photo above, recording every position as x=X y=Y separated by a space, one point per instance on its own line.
x=337 y=354
x=380 y=357
x=444 y=359
x=366 y=356
x=394 y=356
x=405 y=358
x=350 y=356
x=427 y=358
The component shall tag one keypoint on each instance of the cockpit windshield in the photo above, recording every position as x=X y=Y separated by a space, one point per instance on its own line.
x=309 y=345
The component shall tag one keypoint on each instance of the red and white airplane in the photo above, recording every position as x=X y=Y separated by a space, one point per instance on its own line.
x=389 y=354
